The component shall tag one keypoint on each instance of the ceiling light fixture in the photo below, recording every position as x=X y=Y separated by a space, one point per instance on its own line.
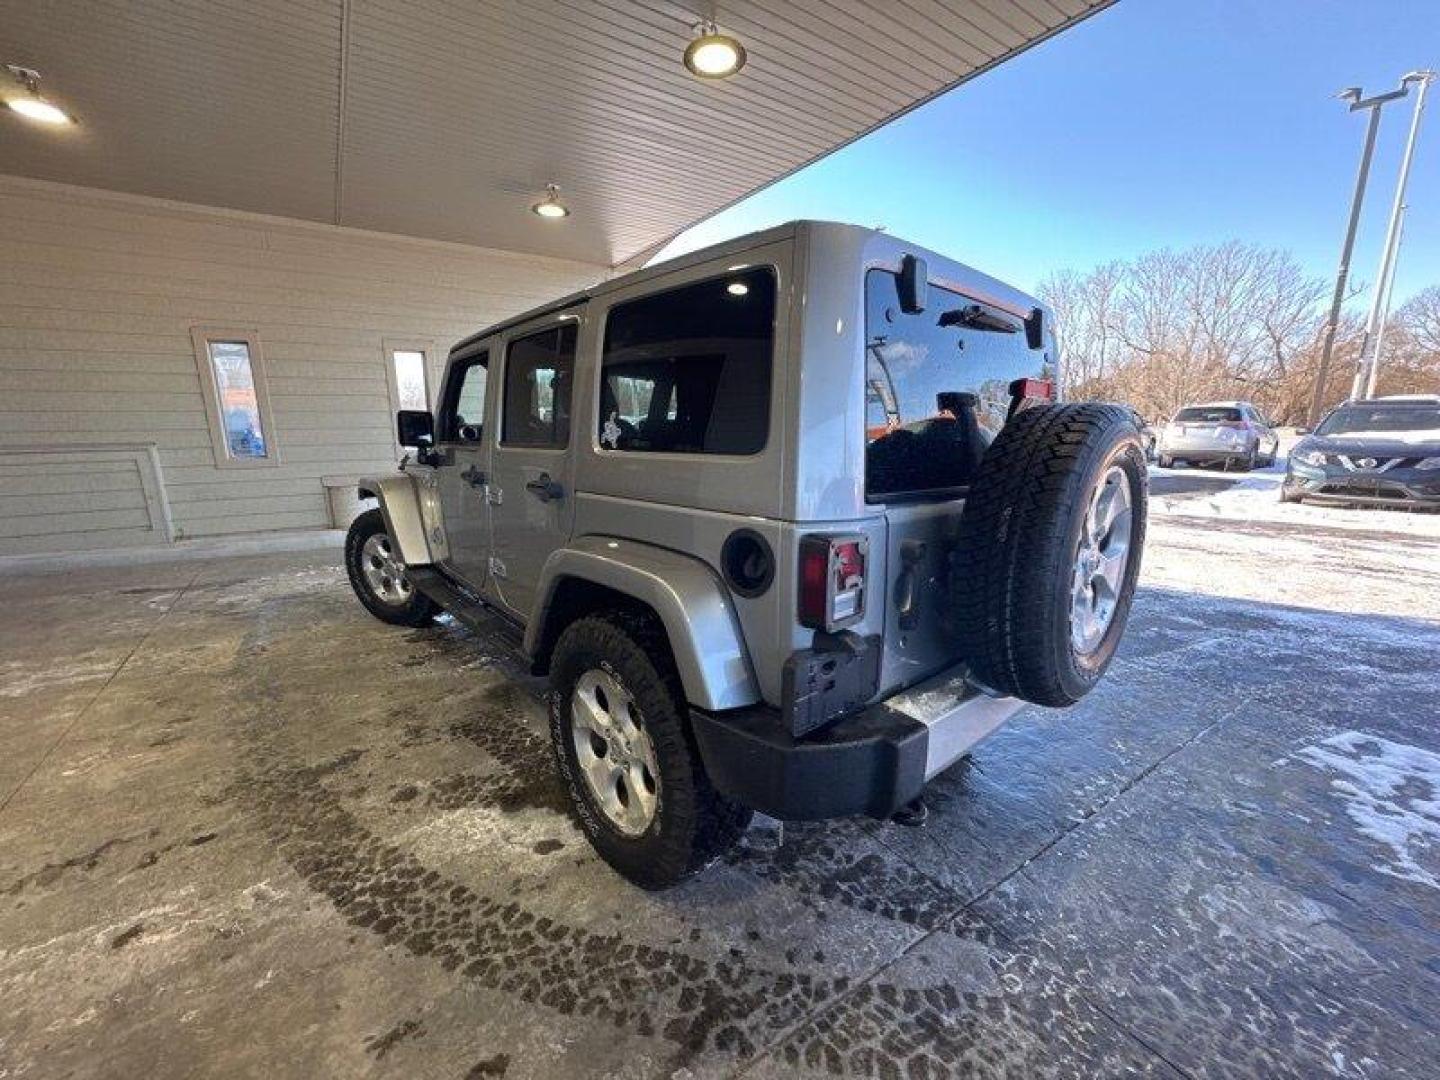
x=32 y=106
x=713 y=55
x=550 y=206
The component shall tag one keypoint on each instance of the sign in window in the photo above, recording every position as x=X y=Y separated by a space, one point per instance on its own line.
x=240 y=420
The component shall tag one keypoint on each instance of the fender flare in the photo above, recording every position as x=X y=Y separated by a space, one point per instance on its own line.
x=410 y=504
x=692 y=603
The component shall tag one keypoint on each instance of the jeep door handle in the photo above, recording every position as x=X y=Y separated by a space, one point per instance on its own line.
x=473 y=476
x=545 y=489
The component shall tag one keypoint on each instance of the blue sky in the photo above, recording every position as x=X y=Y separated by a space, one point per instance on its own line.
x=1155 y=123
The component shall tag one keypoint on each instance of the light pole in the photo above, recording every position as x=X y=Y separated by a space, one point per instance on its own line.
x=1367 y=371
x=1374 y=105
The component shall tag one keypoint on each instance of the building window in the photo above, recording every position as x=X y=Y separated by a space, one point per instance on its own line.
x=237 y=402
x=407 y=369
x=687 y=371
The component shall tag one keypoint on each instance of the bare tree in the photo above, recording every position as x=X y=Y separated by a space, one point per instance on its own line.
x=1231 y=320
x=1420 y=318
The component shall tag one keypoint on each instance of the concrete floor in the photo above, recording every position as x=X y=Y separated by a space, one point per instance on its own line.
x=247 y=830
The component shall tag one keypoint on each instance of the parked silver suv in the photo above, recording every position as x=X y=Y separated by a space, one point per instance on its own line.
x=791 y=523
x=1230 y=432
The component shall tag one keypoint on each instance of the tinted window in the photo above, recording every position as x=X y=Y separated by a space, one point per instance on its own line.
x=688 y=371
x=1206 y=414
x=1387 y=419
x=539 y=371
x=963 y=350
x=464 y=398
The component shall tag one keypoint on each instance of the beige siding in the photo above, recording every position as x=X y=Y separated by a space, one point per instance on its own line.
x=99 y=293
x=68 y=498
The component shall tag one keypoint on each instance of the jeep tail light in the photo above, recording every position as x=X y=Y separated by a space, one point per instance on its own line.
x=1033 y=388
x=832 y=581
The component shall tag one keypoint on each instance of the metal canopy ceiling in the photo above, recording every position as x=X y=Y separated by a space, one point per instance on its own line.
x=447 y=118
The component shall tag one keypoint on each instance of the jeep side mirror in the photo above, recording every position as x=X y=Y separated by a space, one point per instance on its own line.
x=415 y=427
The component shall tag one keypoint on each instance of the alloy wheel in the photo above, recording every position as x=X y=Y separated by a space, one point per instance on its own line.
x=384 y=572
x=1100 y=561
x=616 y=756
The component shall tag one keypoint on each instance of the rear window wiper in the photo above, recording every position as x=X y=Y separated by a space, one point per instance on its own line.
x=975 y=317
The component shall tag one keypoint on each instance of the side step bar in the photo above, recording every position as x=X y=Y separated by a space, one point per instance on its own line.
x=464 y=603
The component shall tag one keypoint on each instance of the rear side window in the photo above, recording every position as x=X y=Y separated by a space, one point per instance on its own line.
x=687 y=371
x=539 y=372
x=1206 y=414
x=937 y=386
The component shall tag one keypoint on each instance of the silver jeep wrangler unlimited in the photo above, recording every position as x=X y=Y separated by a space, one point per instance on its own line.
x=791 y=523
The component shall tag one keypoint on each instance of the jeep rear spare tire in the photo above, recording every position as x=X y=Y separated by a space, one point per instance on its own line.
x=1049 y=550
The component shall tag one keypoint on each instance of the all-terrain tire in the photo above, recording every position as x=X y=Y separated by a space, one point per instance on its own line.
x=1018 y=545
x=412 y=609
x=693 y=824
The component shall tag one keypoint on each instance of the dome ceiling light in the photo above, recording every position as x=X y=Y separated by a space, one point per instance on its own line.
x=30 y=104
x=551 y=207
x=713 y=55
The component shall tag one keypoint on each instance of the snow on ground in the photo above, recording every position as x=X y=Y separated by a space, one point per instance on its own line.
x=1391 y=793
x=1228 y=535
x=1255 y=496
x=1367 y=577
x=1318 y=569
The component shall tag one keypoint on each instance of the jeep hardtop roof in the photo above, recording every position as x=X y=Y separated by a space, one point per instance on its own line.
x=942 y=270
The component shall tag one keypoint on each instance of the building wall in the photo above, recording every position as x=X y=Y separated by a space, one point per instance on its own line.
x=99 y=294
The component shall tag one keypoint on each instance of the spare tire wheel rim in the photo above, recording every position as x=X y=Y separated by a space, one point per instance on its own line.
x=1101 y=559
x=616 y=756
x=384 y=573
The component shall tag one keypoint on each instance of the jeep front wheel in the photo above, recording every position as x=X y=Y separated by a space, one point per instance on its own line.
x=378 y=576
x=622 y=742
x=1048 y=551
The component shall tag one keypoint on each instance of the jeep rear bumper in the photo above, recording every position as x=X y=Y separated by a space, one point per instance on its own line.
x=872 y=762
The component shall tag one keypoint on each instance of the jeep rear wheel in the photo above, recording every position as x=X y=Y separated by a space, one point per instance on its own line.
x=1049 y=551
x=377 y=574
x=622 y=740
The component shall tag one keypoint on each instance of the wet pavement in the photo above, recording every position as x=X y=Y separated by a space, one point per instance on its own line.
x=246 y=830
x=1175 y=482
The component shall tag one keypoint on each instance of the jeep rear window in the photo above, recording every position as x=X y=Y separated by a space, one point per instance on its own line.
x=687 y=371
x=1208 y=414
x=968 y=351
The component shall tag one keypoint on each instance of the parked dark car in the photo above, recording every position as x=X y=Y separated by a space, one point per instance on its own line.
x=1384 y=452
